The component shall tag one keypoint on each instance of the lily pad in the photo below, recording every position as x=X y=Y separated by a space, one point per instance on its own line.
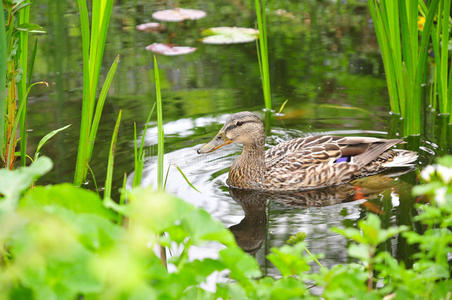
x=229 y=35
x=178 y=14
x=150 y=27
x=169 y=50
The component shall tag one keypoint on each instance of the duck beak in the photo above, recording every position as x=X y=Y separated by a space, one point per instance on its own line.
x=215 y=144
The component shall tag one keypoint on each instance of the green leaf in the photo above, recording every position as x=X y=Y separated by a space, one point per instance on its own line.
x=229 y=35
x=350 y=233
x=13 y=183
x=47 y=137
x=360 y=252
x=242 y=265
x=445 y=160
x=111 y=159
x=68 y=196
x=289 y=259
x=201 y=227
x=30 y=28
x=3 y=67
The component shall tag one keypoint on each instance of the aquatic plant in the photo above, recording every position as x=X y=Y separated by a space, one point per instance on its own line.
x=3 y=62
x=138 y=150
x=405 y=39
x=169 y=50
x=178 y=14
x=62 y=242
x=93 y=44
x=229 y=35
x=111 y=158
x=262 y=51
x=160 y=133
x=15 y=77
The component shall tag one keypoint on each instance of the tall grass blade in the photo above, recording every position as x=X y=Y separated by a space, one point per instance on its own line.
x=20 y=110
x=381 y=31
x=139 y=157
x=414 y=119
x=81 y=164
x=93 y=176
x=47 y=137
x=111 y=158
x=100 y=105
x=122 y=197
x=93 y=44
x=24 y=18
x=186 y=179
x=262 y=51
x=160 y=147
x=3 y=61
x=32 y=61
x=444 y=56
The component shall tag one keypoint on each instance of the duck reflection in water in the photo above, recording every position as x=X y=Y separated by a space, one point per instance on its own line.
x=250 y=233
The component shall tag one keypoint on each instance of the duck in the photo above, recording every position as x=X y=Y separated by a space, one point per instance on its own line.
x=303 y=163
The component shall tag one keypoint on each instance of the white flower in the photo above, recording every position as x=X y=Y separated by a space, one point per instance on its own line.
x=440 y=196
x=427 y=172
x=445 y=173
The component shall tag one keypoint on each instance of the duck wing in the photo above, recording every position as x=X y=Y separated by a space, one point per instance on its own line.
x=320 y=161
x=303 y=151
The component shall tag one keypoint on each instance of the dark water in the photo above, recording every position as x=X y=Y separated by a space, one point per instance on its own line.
x=324 y=60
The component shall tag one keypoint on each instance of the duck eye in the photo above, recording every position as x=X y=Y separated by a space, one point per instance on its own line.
x=218 y=137
x=239 y=123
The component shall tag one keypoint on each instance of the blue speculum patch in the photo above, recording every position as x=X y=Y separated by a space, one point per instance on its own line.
x=343 y=159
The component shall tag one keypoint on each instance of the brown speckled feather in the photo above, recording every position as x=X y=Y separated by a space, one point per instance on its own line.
x=305 y=163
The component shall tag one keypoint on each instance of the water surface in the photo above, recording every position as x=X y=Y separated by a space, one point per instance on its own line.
x=324 y=60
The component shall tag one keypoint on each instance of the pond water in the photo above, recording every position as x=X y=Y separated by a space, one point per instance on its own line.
x=324 y=60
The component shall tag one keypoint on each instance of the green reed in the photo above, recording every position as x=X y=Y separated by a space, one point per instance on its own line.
x=405 y=39
x=3 y=62
x=262 y=51
x=93 y=44
x=111 y=158
x=24 y=18
x=138 y=151
x=161 y=145
x=16 y=77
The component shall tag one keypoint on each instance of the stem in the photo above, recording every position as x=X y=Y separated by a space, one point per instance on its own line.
x=370 y=280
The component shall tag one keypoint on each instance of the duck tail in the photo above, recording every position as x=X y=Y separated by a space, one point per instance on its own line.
x=404 y=158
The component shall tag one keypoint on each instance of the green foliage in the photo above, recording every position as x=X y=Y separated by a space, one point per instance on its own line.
x=93 y=45
x=111 y=158
x=406 y=32
x=15 y=77
x=13 y=183
x=3 y=62
x=138 y=151
x=161 y=144
x=61 y=242
x=47 y=137
x=262 y=51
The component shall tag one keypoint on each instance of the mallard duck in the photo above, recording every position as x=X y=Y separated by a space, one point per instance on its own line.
x=302 y=163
